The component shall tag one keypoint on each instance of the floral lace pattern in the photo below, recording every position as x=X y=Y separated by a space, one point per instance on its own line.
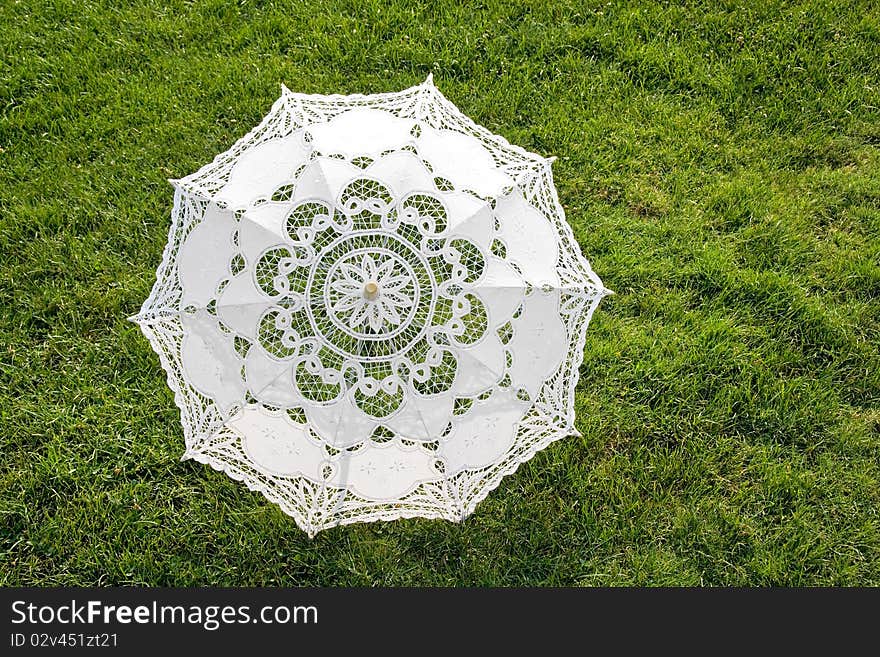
x=371 y=308
x=370 y=294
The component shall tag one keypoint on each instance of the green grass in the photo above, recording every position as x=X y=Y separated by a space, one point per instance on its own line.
x=719 y=163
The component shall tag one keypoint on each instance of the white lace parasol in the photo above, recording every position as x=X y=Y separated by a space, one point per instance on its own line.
x=371 y=308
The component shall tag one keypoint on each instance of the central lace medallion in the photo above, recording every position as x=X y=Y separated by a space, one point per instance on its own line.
x=370 y=294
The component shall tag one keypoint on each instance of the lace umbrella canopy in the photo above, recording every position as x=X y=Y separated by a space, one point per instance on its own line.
x=371 y=308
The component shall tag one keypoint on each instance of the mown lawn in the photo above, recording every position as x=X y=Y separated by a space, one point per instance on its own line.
x=718 y=161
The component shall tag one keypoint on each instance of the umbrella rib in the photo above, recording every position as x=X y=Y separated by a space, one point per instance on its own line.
x=567 y=289
x=344 y=462
x=143 y=317
x=471 y=217
x=253 y=222
x=446 y=479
